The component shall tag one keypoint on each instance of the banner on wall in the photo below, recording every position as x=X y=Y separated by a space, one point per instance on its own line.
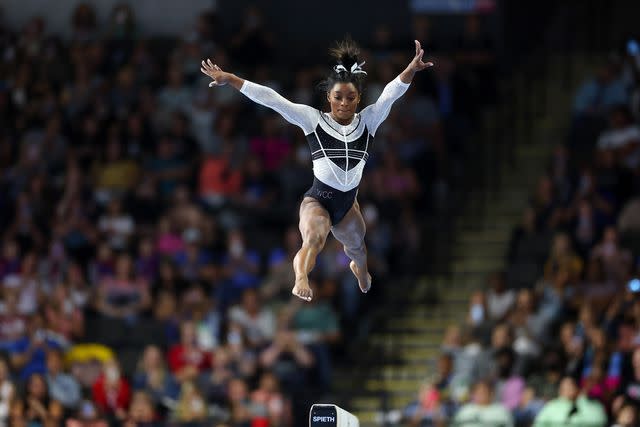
x=452 y=6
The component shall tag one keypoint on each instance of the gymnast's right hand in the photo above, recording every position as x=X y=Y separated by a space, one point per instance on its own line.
x=220 y=78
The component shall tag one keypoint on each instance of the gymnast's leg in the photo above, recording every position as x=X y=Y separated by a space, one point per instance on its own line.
x=350 y=232
x=315 y=225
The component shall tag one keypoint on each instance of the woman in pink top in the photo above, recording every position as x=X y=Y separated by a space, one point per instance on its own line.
x=168 y=242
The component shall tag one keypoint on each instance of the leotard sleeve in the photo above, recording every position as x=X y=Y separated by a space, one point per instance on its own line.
x=374 y=114
x=301 y=115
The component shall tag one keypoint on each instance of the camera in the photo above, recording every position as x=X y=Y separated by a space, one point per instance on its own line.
x=328 y=415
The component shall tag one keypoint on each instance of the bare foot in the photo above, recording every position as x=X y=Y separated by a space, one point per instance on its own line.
x=363 y=282
x=302 y=289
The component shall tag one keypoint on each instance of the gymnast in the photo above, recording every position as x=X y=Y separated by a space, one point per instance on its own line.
x=339 y=142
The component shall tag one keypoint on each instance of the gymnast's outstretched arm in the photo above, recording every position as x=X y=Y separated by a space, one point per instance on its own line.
x=301 y=115
x=375 y=114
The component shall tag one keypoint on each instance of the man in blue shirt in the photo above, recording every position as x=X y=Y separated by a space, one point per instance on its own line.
x=29 y=353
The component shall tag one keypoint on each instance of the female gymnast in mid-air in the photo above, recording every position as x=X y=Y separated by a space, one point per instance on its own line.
x=339 y=141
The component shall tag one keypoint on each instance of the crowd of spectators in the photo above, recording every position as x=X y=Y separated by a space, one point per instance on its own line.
x=554 y=340
x=148 y=223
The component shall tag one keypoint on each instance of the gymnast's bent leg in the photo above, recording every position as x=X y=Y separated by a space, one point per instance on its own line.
x=315 y=225
x=350 y=232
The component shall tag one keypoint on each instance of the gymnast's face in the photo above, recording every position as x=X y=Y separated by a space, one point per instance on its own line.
x=343 y=99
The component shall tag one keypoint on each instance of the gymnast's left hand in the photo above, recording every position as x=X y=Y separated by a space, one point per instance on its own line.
x=417 y=64
x=220 y=78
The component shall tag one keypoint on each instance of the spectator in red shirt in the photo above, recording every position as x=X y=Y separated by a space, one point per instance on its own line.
x=219 y=178
x=186 y=359
x=111 y=391
x=270 y=400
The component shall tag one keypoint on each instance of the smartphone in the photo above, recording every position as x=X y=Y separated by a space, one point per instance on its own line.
x=634 y=285
x=633 y=48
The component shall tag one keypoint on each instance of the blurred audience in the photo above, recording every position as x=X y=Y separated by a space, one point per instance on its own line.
x=555 y=338
x=149 y=222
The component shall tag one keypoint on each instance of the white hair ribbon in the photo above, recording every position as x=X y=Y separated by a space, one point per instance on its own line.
x=340 y=69
x=355 y=69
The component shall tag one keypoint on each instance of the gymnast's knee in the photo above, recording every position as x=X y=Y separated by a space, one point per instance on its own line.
x=314 y=240
x=357 y=248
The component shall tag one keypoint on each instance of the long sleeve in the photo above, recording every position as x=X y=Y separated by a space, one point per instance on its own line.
x=304 y=116
x=374 y=114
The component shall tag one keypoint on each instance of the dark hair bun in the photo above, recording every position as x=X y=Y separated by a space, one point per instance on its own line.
x=346 y=52
x=346 y=69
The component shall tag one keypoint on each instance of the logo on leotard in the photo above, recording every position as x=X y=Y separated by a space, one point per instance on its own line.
x=324 y=194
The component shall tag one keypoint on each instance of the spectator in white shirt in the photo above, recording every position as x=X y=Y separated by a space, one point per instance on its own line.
x=257 y=323
x=623 y=136
x=499 y=298
x=116 y=225
x=482 y=410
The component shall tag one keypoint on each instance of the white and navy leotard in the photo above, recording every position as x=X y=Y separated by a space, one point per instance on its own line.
x=339 y=152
